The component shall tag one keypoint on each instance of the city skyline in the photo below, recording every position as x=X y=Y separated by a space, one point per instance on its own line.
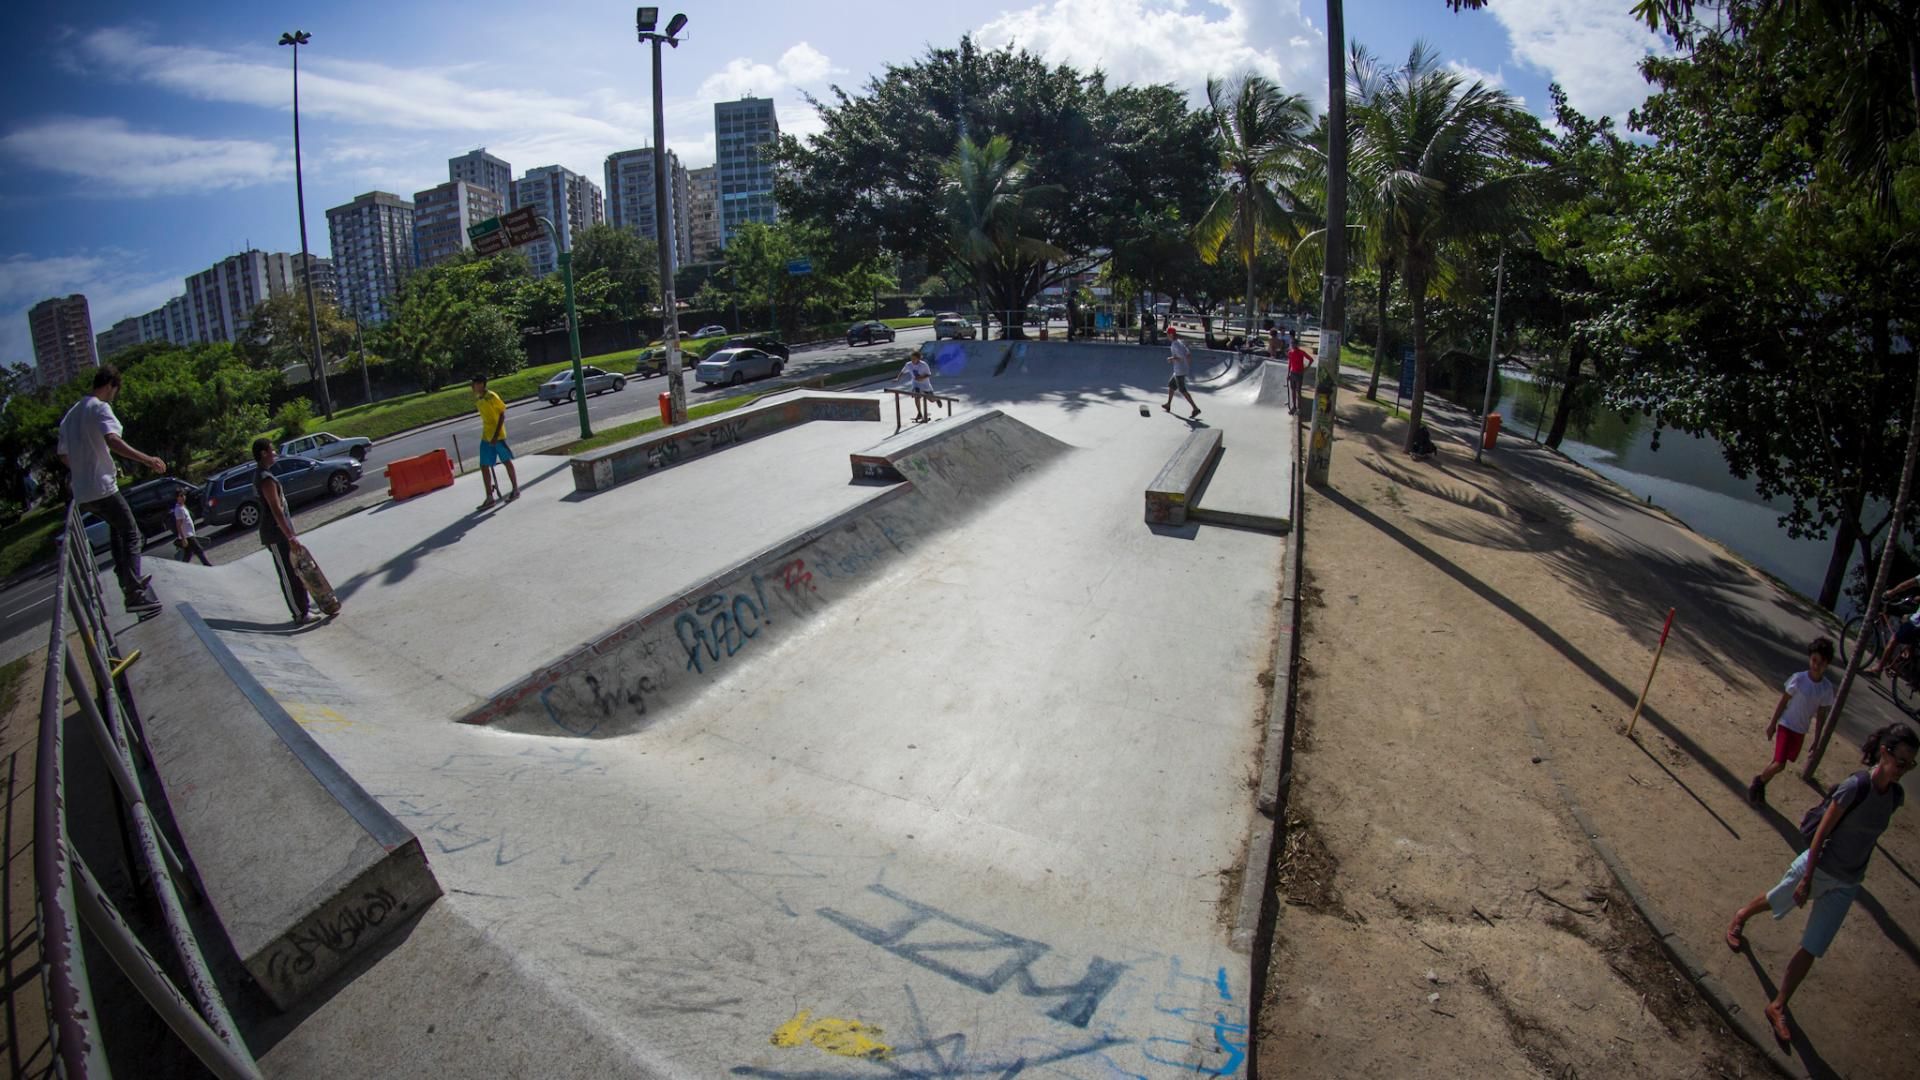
x=169 y=147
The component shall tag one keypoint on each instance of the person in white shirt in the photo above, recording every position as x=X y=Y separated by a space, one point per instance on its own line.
x=89 y=438
x=1807 y=697
x=920 y=374
x=1182 y=360
x=183 y=535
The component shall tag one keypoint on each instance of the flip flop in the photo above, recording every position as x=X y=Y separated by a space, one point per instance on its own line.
x=1735 y=939
x=1779 y=1021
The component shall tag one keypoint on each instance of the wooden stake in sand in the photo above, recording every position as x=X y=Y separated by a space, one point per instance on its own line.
x=1656 y=667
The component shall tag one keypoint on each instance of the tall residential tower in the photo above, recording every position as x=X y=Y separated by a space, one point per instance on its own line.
x=743 y=131
x=372 y=250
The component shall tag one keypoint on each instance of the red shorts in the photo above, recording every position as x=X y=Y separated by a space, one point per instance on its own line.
x=1786 y=744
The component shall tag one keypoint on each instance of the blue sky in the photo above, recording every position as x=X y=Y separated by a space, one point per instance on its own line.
x=140 y=143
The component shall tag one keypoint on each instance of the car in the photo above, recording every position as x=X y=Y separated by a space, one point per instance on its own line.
x=756 y=341
x=99 y=537
x=152 y=503
x=714 y=330
x=948 y=315
x=920 y=313
x=650 y=362
x=322 y=444
x=953 y=328
x=560 y=387
x=868 y=332
x=231 y=499
x=735 y=366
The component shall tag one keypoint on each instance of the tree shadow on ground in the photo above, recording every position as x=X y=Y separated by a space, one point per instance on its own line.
x=1817 y=1067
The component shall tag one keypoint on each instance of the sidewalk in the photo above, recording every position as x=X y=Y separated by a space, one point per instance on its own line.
x=1435 y=881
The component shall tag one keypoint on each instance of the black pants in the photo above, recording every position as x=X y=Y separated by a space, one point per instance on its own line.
x=291 y=587
x=189 y=548
x=125 y=535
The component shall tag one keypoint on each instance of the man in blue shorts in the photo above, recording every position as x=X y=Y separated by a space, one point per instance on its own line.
x=493 y=441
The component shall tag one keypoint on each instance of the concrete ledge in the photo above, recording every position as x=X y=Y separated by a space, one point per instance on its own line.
x=304 y=869
x=611 y=466
x=1181 y=478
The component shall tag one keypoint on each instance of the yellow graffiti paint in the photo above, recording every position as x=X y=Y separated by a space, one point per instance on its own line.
x=316 y=717
x=845 y=1038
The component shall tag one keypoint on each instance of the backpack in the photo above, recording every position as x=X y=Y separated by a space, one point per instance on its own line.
x=1810 y=821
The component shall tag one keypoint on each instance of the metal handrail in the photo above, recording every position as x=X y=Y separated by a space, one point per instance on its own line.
x=69 y=895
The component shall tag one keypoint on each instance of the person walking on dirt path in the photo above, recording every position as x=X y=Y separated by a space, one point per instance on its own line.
x=1828 y=874
x=1297 y=361
x=1806 y=699
x=493 y=441
x=1182 y=361
x=88 y=440
x=919 y=373
x=183 y=536
x=276 y=531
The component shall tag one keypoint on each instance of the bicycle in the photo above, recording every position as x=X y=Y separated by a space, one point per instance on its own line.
x=1904 y=686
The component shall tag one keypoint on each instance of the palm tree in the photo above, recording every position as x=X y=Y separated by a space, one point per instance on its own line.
x=1263 y=136
x=1437 y=158
x=991 y=215
x=1379 y=242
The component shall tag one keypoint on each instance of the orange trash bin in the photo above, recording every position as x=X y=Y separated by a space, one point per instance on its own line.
x=666 y=409
x=1490 y=433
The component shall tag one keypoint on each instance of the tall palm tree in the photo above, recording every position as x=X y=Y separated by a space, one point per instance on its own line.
x=1263 y=136
x=992 y=215
x=1437 y=156
x=1379 y=241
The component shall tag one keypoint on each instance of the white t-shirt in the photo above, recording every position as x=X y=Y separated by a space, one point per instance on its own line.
x=920 y=372
x=183 y=521
x=1806 y=698
x=1182 y=357
x=83 y=439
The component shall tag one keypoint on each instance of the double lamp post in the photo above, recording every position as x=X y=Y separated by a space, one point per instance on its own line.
x=645 y=20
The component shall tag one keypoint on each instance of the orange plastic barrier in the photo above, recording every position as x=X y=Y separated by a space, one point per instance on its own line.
x=1491 y=433
x=418 y=475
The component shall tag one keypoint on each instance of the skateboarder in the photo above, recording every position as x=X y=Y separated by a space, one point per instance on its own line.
x=493 y=441
x=89 y=438
x=919 y=373
x=1182 y=361
x=183 y=536
x=276 y=531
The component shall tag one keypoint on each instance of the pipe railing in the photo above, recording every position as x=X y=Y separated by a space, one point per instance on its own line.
x=69 y=894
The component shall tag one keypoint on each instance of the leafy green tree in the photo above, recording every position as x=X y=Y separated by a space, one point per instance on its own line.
x=279 y=334
x=992 y=212
x=1261 y=133
x=631 y=264
x=178 y=402
x=756 y=270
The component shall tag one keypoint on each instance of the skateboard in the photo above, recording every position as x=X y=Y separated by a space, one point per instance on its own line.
x=315 y=581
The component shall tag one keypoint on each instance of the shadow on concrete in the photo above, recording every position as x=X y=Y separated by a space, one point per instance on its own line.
x=277 y=629
x=1817 y=1067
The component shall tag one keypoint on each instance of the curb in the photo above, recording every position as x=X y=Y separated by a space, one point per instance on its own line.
x=1709 y=988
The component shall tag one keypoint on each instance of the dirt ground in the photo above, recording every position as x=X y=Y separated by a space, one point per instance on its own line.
x=1441 y=913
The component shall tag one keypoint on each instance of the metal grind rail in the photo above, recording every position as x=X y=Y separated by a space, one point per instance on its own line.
x=922 y=395
x=69 y=895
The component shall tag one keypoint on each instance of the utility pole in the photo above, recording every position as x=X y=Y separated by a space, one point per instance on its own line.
x=1333 y=288
x=644 y=21
x=296 y=39
x=565 y=244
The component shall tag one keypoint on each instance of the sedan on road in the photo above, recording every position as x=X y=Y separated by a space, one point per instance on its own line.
x=869 y=332
x=560 y=387
x=735 y=366
x=757 y=341
x=715 y=330
x=953 y=328
x=231 y=499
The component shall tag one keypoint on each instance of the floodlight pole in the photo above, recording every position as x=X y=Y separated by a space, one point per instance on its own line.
x=662 y=232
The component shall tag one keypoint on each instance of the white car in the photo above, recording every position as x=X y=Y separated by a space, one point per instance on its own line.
x=736 y=366
x=322 y=445
x=953 y=328
x=715 y=330
x=560 y=387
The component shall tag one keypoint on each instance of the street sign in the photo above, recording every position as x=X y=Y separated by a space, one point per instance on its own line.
x=799 y=266
x=487 y=236
x=523 y=225
x=1406 y=371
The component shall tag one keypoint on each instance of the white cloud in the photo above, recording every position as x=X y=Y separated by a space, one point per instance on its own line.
x=112 y=157
x=1592 y=50
x=1493 y=80
x=116 y=284
x=1171 y=41
x=801 y=67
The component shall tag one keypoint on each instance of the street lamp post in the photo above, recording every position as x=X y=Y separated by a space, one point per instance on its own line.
x=564 y=244
x=645 y=19
x=296 y=39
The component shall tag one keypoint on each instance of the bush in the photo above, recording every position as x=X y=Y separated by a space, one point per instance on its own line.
x=293 y=418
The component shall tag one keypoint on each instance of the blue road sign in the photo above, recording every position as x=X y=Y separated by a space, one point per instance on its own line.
x=799 y=266
x=1406 y=371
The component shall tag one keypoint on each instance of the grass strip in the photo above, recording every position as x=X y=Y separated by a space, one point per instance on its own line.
x=13 y=676
x=29 y=540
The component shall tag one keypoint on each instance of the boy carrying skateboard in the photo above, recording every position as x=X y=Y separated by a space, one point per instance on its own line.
x=291 y=559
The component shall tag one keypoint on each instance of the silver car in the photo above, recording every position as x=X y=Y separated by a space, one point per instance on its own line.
x=953 y=328
x=735 y=366
x=560 y=387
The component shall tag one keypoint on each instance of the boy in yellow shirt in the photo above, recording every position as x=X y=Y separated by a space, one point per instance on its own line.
x=493 y=441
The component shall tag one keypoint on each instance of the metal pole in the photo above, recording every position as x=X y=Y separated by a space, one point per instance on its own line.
x=306 y=260
x=563 y=242
x=1333 y=291
x=669 y=307
x=360 y=342
x=1493 y=352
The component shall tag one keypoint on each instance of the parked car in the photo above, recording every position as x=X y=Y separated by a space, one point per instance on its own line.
x=152 y=503
x=953 y=328
x=560 y=387
x=736 y=366
x=231 y=499
x=325 y=445
x=713 y=330
x=920 y=313
x=99 y=537
x=866 y=333
x=757 y=341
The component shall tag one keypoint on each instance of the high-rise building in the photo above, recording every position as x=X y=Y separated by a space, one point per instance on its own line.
x=372 y=250
x=703 y=213
x=441 y=216
x=326 y=290
x=221 y=298
x=169 y=322
x=571 y=201
x=123 y=335
x=743 y=130
x=630 y=199
x=481 y=169
x=62 y=339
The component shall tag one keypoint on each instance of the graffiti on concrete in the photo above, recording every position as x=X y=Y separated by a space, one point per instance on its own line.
x=332 y=935
x=1223 y=1052
x=720 y=625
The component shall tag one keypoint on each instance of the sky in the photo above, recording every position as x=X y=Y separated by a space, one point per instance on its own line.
x=141 y=144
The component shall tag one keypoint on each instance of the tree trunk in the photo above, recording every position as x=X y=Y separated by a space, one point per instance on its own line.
x=1380 y=339
x=1843 y=541
x=1416 y=409
x=1563 y=412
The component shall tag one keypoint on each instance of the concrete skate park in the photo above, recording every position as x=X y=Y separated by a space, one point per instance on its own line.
x=785 y=744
